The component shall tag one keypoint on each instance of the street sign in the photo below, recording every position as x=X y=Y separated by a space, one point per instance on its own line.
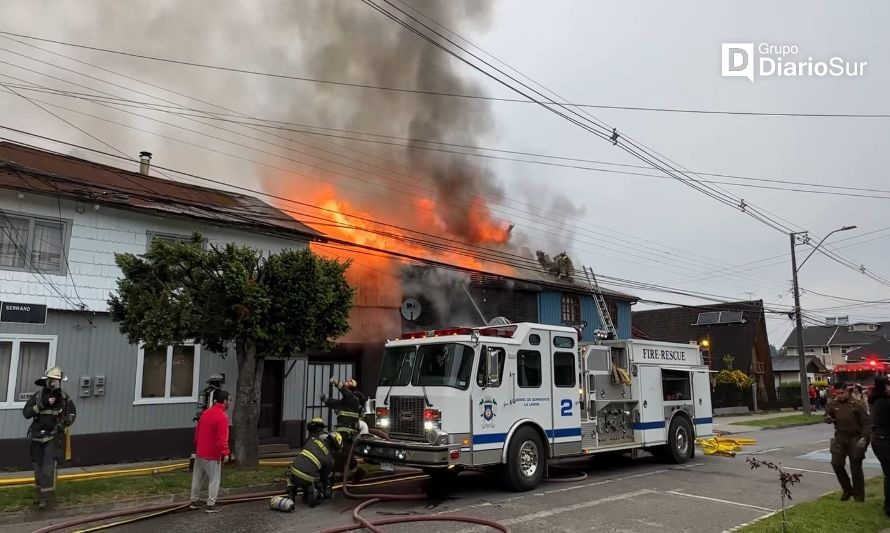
x=20 y=313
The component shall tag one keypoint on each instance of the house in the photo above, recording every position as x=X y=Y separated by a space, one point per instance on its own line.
x=62 y=220
x=731 y=336
x=786 y=369
x=879 y=350
x=835 y=339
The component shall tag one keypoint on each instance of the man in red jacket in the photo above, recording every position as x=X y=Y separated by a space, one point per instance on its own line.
x=211 y=450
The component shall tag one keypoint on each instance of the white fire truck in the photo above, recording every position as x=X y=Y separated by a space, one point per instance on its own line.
x=521 y=394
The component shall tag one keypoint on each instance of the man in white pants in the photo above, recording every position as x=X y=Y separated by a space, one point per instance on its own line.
x=211 y=451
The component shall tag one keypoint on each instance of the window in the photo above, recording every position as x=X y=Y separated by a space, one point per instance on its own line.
x=571 y=309
x=483 y=368
x=534 y=339
x=167 y=375
x=563 y=342
x=564 y=369
x=845 y=349
x=171 y=238
x=29 y=243
x=825 y=350
x=398 y=365
x=528 y=368
x=449 y=364
x=23 y=360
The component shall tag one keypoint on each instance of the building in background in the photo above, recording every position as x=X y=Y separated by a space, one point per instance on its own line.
x=834 y=340
x=62 y=219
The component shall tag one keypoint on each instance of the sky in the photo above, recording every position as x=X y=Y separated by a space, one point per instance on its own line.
x=646 y=54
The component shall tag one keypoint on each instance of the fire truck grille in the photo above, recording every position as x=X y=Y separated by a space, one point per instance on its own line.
x=406 y=415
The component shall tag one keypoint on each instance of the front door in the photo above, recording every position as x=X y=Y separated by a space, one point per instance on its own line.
x=271 y=399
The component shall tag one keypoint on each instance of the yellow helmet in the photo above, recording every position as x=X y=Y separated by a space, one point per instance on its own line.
x=52 y=373
x=337 y=439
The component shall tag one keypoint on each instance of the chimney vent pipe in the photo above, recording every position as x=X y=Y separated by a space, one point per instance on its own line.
x=144 y=162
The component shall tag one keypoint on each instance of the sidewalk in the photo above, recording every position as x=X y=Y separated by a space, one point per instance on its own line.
x=725 y=424
x=95 y=468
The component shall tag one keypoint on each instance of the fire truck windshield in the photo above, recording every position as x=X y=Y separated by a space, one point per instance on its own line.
x=398 y=365
x=444 y=364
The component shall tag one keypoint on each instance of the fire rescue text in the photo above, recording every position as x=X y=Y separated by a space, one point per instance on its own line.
x=664 y=355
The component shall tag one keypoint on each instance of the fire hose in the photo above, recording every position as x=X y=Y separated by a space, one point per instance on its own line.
x=361 y=522
x=718 y=445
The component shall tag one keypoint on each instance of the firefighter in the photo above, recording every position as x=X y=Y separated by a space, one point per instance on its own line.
x=51 y=411
x=348 y=407
x=315 y=427
x=312 y=470
x=851 y=438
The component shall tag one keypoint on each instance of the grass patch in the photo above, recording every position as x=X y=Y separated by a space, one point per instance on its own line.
x=830 y=515
x=90 y=491
x=781 y=421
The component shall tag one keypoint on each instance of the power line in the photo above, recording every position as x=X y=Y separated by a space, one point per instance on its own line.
x=440 y=93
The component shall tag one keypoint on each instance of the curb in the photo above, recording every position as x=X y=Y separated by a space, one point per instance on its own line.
x=798 y=425
x=32 y=515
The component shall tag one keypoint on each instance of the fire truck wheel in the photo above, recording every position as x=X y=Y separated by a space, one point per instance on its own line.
x=525 y=460
x=680 y=447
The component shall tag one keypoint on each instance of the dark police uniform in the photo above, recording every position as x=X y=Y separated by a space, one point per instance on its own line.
x=851 y=425
x=51 y=413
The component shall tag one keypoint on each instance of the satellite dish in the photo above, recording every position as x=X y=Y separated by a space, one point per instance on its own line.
x=410 y=309
x=498 y=321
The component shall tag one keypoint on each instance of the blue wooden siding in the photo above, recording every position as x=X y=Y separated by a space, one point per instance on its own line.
x=550 y=312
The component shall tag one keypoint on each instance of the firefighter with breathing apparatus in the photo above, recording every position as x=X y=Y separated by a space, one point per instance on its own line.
x=51 y=412
x=349 y=415
x=312 y=471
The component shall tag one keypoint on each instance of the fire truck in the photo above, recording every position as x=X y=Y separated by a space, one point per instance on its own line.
x=517 y=396
x=863 y=373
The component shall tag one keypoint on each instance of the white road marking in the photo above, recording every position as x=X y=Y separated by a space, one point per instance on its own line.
x=567 y=509
x=718 y=500
x=759 y=452
x=805 y=470
x=752 y=522
x=818 y=441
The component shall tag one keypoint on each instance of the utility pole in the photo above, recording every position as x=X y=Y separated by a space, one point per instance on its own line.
x=801 y=355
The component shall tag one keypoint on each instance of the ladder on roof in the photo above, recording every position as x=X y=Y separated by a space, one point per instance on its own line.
x=602 y=307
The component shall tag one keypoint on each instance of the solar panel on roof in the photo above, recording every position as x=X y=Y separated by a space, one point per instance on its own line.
x=707 y=318
x=729 y=317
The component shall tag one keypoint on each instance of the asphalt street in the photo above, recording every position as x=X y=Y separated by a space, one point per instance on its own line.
x=709 y=494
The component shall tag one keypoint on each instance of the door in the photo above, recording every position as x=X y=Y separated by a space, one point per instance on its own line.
x=650 y=429
x=701 y=392
x=318 y=383
x=532 y=381
x=271 y=399
x=566 y=406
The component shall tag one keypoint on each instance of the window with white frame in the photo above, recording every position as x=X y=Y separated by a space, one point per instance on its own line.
x=167 y=375
x=845 y=349
x=825 y=350
x=23 y=360
x=32 y=243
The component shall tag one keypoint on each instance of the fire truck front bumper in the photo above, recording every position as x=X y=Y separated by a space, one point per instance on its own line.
x=406 y=453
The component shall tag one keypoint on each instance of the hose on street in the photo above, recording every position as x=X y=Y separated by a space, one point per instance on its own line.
x=360 y=522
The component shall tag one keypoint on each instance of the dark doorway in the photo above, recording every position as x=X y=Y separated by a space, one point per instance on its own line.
x=271 y=400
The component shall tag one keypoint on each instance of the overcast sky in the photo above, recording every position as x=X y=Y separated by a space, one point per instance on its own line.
x=645 y=54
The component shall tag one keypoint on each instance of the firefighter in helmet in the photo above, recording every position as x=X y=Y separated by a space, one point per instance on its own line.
x=315 y=427
x=312 y=470
x=348 y=407
x=51 y=412
x=205 y=397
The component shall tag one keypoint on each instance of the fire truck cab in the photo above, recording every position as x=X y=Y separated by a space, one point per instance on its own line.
x=521 y=394
x=863 y=373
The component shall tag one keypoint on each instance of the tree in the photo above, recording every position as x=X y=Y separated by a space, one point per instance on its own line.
x=773 y=351
x=234 y=297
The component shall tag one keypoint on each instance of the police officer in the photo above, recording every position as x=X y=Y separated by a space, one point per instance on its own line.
x=205 y=397
x=851 y=437
x=313 y=469
x=51 y=411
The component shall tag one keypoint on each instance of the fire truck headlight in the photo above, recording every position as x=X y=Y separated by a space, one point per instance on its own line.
x=429 y=425
x=383 y=422
x=401 y=455
x=437 y=437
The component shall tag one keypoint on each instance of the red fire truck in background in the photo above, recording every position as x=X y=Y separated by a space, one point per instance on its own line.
x=863 y=372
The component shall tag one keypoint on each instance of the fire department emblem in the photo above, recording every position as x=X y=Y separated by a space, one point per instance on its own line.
x=488 y=408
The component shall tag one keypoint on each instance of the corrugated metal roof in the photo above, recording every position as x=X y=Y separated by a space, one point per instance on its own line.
x=38 y=171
